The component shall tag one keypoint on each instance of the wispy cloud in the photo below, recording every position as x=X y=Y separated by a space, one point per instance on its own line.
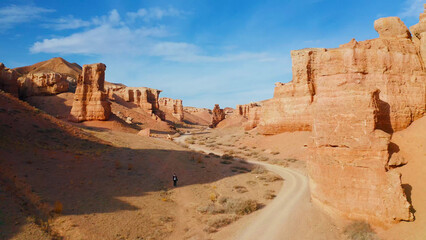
x=68 y=22
x=110 y=34
x=412 y=8
x=153 y=13
x=13 y=15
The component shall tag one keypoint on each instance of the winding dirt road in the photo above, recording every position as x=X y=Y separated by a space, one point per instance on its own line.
x=279 y=219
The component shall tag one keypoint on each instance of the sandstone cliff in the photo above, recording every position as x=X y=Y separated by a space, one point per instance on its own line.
x=8 y=80
x=362 y=93
x=68 y=71
x=90 y=100
x=353 y=98
x=42 y=84
x=172 y=106
x=142 y=97
x=251 y=112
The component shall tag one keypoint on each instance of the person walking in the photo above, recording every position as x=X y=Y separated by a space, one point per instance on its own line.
x=175 y=179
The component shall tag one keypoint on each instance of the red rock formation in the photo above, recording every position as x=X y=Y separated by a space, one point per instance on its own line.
x=352 y=125
x=90 y=100
x=42 y=84
x=289 y=109
x=143 y=97
x=251 y=112
x=350 y=156
x=8 y=80
x=173 y=106
x=218 y=115
x=419 y=35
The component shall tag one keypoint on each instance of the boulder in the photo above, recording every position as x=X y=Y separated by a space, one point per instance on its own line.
x=145 y=132
x=391 y=27
x=90 y=99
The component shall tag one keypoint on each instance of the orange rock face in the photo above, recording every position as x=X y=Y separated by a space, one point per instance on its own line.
x=8 y=80
x=42 y=84
x=251 y=112
x=90 y=99
x=364 y=91
x=173 y=106
x=143 y=97
x=349 y=172
x=217 y=116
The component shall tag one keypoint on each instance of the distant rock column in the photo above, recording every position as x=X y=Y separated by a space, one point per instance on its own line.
x=218 y=115
x=90 y=100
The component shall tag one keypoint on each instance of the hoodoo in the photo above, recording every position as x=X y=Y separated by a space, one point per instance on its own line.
x=90 y=100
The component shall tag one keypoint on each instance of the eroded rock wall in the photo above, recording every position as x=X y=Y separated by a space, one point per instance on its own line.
x=364 y=91
x=8 y=80
x=90 y=99
x=251 y=112
x=173 y=106
x=289 y=109
x=42 y=84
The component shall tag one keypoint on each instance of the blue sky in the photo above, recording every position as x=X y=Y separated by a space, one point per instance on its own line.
x=201 y=51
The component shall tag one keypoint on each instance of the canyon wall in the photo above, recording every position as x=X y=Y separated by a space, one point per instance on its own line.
x=251 y=112
x=353 y=98
x=90 y=99
x=8 y=80
x=42 y=84
x=172 y=106
x=143 y=97
x=289 y=109
x=363 y=92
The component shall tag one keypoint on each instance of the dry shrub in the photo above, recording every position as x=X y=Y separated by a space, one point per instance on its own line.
x=213 y=197
x=240 y=189
x=360 y=230
x=221 y=221
x=226 y=162
x=269 y=194
x=211 y=208
x=226 y=156
x=272 y=178
x=275 y=153
x=251 y=183
x=58 y=207
x=258 y=170
x=239 y=206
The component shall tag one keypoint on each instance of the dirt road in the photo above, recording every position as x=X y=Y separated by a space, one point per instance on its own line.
x=279 y=219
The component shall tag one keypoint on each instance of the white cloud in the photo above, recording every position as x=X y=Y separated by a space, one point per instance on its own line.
x=153 y=14
x=109 y=35
x=413 y=8
x=14 y=14
x=68 y=22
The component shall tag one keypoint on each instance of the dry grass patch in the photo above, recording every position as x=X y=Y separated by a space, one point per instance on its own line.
x=239 y=206
x=360 y=230
x=258 y=170
x=240 y=189
x=221 y=221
